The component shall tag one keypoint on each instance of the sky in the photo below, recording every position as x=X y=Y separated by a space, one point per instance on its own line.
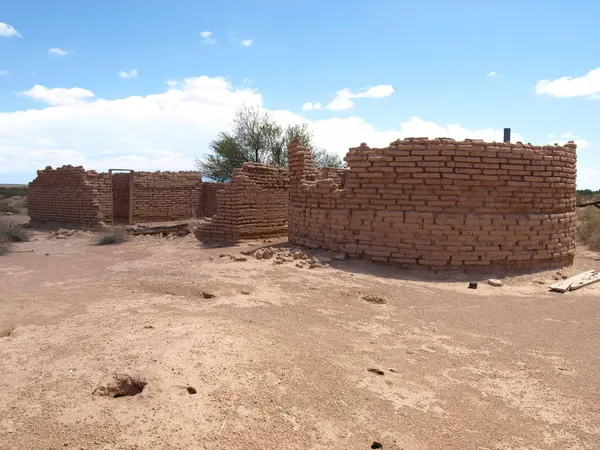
x=146 y=85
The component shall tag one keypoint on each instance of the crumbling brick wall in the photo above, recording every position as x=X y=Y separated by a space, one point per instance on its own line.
x=441 y=203
x=254 y=204
x=209 y=198
x=67 y=195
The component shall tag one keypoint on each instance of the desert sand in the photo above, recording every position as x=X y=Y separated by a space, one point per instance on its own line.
x=256 y=355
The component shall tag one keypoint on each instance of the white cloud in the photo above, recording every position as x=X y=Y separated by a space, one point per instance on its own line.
x=58 y=96
x=4 y=72
x=207 y=36
x=168 y=130
x=491 y=74
x=163 y=131
x=383 y=90
x=563 y=138
x=7 y=30
x=171 y=83
x=588 y=177
x=133 y=73
x=343 y=98
x=585 y=86
x=247 y=81
x=57 y=51
x=246 y=43
x=308 y=106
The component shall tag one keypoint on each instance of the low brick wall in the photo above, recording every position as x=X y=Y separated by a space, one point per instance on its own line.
x=254 y=204
x=67 y=195
x=164 y=196
x=440 y=204
x=71 y=195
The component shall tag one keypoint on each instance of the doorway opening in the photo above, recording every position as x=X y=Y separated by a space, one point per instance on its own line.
x=121 y=186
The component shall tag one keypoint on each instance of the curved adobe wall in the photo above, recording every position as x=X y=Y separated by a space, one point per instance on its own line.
x=441 y=203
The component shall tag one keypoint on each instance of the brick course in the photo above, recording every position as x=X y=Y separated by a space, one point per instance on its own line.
x=71 y=195
x=440 y=203
x=67 y=195
x=254 y=204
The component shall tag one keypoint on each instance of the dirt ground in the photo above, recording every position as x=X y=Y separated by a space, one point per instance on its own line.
x=279 y=357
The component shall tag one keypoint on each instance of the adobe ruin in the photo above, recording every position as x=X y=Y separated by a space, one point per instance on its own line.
x=435 y=203
x=440 y=204
x=72 y=195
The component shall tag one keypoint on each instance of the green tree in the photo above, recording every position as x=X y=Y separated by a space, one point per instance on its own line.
x=257 y=137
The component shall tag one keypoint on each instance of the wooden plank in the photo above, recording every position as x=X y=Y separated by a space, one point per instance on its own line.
x=565 y=285
x=592 y=278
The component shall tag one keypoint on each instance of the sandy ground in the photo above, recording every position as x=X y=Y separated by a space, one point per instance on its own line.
x=279 y=358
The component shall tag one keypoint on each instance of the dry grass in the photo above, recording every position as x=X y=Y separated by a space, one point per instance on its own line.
x=12 y=233
x=116 y=235
x=589 y=226
x=4 y=247
x=7 y=206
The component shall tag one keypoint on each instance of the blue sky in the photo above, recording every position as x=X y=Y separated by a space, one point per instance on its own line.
x=377 y=70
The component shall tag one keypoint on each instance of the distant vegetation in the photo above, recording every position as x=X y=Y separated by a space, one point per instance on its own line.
x=589 y=226
x=257 y=137
x=12 y=191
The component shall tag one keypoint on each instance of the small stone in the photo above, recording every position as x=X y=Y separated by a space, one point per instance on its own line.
x=473 y=285
x=496 y=283
x=298 y=254
x=259 y=254
x=377 y=371
x=240 y=258
x=208 y=295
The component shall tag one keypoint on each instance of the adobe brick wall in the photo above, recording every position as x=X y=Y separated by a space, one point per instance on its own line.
x=71 y=195
x=209 y=198
x=164 y=196
x=441 y=204
x=67 y=195
x=102 y=183
x=254 y=204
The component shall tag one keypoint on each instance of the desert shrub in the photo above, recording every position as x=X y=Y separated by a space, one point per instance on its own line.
x=115 y=235
x=12 y=233
x=6 y=206
x=588 y=228
x=4 y=247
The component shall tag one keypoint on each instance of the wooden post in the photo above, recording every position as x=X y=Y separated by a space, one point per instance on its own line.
x=131 y=198
x=112 y=199
x=507 y=135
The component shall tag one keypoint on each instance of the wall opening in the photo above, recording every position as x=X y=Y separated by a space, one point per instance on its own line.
x=121 y=184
